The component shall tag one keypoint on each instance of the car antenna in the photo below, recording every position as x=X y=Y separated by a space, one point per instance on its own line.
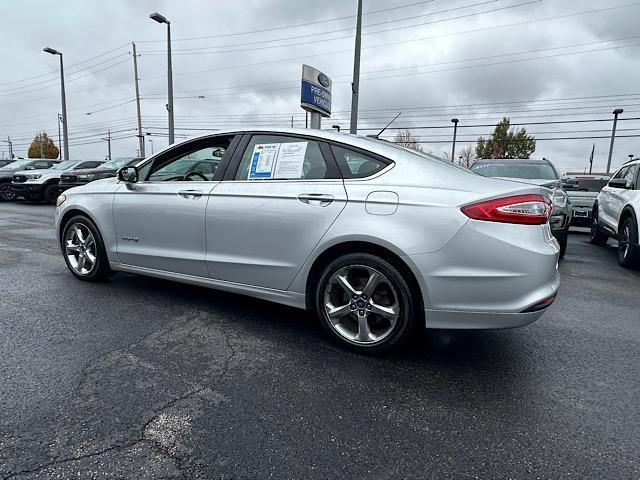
x=385 y=127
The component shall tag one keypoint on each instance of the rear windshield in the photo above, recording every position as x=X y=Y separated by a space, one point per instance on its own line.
x=581 y=185
x=542 y=171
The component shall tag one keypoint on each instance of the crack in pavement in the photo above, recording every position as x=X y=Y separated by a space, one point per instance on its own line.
x=142 y=437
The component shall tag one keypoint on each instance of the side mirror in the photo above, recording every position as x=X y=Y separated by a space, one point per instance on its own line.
x=619 y=183
x=128 y=174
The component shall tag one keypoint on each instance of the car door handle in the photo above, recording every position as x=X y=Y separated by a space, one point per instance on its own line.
x=190 y=194
x=320 y=199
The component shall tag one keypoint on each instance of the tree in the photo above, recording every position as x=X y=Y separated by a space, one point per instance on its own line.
x=50 y=149
x=406 y=139
x=506 y=143
x=466 y=157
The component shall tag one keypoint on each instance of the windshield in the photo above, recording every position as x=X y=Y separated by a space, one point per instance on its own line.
x=582 y=185
x=542 y=171
x=115 y=163
x=66 y=165
x=17 y=165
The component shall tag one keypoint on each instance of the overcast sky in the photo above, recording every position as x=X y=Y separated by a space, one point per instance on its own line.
x=477 y=60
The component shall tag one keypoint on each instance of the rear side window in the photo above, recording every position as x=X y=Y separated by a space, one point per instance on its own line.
x=355 y=164
x=277 y=157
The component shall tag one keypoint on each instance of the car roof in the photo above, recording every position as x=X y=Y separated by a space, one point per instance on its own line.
x=381 y=147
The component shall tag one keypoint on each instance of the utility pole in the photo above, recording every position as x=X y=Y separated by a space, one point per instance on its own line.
x=455 y=132
x=41 y=147
x=135 y=75
x=616 y=112
x=108 y=139
x=10 y=148
x=593 y=150
x=291 y=121
x=355 y=84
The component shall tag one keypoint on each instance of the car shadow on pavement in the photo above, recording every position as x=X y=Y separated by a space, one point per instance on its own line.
x=293 y=329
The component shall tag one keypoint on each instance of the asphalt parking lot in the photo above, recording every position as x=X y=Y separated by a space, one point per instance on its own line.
x=141 y=378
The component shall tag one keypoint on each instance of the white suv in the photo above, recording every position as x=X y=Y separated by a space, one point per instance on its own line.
x=617 y=211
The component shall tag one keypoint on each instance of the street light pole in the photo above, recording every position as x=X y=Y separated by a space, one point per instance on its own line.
x=161 y=19
x=59 y=139
x=151 y=142
x=65 y=132
x=455 y=132
x=355 y=85
x=616 y=112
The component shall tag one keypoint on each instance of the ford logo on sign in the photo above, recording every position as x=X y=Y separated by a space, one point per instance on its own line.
x=324 y=80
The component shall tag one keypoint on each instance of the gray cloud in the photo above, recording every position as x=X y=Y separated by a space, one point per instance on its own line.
x=83 y=29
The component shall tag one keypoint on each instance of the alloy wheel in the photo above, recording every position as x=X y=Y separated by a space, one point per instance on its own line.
x=7 y=193
x=80 y=249
x=624 y=245
x=361 y=304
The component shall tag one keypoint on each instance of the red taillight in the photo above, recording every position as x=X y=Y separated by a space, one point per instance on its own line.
x=523 y=209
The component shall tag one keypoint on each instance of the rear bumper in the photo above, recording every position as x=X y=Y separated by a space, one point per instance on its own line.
x=443 y=319
x=488 y=275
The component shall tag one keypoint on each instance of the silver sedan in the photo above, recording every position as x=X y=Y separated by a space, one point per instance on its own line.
x=376 y=239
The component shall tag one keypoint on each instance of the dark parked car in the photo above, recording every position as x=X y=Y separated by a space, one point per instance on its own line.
x=6 y=174
x=43 y=185
x=108 y=169
x=536 y=172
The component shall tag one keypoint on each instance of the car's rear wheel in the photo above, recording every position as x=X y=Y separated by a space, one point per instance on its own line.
x=7 y=193
x=596 y=235
x=628 y=244
x=83 y=250
x=366 y=303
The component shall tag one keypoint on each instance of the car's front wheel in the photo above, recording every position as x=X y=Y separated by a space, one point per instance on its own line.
x=7 y=193
x=596 y=235
x=366 y=303
x=83 y=250
x=628 y=244
x=50 y=193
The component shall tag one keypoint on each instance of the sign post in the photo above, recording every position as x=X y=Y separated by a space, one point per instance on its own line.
x=315 y=94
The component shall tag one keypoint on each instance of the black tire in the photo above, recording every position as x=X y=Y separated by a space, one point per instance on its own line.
x=628 y=254
x=394 y=284
x=7 y=194
x=100 y=270
x=562 y=240
x=596 y=235
x=50 y=193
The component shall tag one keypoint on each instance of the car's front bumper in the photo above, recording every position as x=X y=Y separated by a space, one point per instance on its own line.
x=66 y=186
x=489 y=275
x=28 y=189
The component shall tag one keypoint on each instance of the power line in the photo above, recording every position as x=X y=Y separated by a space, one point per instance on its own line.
x=307 y=35
x=57 y=72
x=316 y=22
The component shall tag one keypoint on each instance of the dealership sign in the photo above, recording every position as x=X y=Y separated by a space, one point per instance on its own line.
x=315 y=93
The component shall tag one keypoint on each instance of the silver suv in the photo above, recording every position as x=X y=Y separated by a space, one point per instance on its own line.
x=615 y=214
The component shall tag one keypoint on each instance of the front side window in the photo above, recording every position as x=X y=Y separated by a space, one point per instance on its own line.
x=82 y=165
x=358 y=165
x=41 y=165
x=621 y=173
x=276 y=157
x=198 y=166
x=630 y=176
